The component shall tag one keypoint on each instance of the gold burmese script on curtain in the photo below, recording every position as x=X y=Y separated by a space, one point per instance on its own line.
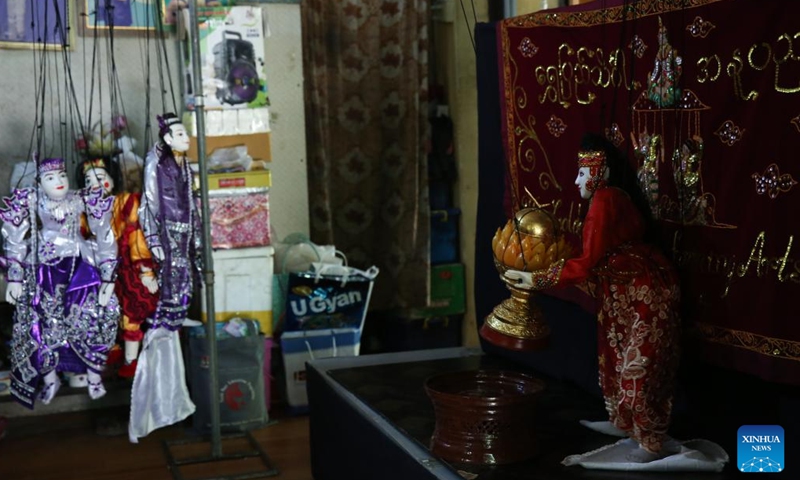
x=702 y=95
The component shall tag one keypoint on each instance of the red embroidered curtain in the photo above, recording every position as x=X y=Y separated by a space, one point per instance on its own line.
x=705 y=97
x=366 y=70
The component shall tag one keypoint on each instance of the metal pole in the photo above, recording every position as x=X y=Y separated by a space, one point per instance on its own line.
x=181 y=65
x=208 y=261
x=510 y=8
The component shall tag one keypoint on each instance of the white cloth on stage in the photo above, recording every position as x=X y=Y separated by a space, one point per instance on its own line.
x=689 y=456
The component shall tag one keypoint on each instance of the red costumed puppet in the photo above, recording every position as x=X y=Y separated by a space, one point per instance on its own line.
x=136 y=286
x=638 y=293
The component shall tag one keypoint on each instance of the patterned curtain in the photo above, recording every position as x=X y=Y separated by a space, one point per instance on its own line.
x=366 y=81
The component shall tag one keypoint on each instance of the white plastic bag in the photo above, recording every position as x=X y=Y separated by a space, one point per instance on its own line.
x=298 y=254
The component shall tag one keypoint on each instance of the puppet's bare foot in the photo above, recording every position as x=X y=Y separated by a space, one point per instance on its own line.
x=605 y=427
x=51 y=385
x=96 y=388
x=640 y=455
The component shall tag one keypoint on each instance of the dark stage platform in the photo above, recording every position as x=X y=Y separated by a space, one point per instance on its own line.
x=371 y=419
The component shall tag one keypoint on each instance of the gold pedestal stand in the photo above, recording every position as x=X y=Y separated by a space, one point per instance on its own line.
x=517 y=323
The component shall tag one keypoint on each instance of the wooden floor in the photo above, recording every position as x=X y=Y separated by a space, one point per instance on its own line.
x=67 y=446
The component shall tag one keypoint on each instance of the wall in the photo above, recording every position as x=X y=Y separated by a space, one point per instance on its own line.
x=18 y=92
x=289 y=194
x=529 y=6
x=284 y=52
x=455 y=68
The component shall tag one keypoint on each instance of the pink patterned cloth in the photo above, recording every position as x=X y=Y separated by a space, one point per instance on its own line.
x=240 y=220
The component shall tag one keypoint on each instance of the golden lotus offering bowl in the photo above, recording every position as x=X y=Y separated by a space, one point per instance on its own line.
x=530 y=242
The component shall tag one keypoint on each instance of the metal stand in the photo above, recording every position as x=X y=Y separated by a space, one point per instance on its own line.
x=208 y=278
x=176 y=464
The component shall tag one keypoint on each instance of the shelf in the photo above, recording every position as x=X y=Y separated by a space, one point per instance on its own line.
x=71 y=399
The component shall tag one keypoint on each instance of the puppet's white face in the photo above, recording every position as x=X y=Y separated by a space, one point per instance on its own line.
x=580 y=181
x=55 y=184
x=177 y=138
x=99 y=178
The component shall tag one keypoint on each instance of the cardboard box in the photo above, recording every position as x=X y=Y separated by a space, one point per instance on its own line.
x=448 y=290
x=448 y=293
x=233 y=180
x=224 y=181
x=224 y=123
x=258 y=145
x=232 y=55
x=300 y=347
x=243 y=286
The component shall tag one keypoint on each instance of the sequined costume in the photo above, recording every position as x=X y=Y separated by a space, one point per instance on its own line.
x=169 y=219
x=663 y=82
x=638 y=322
x=168 y=214
x=639 y=300
x=137 y=303
x=58 y=323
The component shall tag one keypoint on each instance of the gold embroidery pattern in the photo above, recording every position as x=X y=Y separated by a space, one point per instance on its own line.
x=650 y=152
x=796 y=122
x=635 y=10
x=729 y=133
x=773 y=347
x=695 y=206
x=638 y=46
x=523 y=142
x=527 y=48
x=662 y=83
x=614 y=135
x=772 y=182
x=640 y=329
x=700 y=28
x=556 y=126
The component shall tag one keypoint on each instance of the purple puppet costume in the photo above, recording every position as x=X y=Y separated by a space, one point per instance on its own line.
x=170 y=222
x=60 y=325
x=168 y=215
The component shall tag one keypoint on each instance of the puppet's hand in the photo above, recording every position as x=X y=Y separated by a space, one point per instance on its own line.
x=536 y=280
x=13 y=292
x=158 y=253
x=519 y=278
x=173 y=10
x=149 y=281
x=106 y=289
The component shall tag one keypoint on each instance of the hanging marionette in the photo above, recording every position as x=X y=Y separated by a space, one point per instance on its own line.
x=63 y=286
x=170 y=221
x=171 y=226
x=136 y=285
x=638 y=292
